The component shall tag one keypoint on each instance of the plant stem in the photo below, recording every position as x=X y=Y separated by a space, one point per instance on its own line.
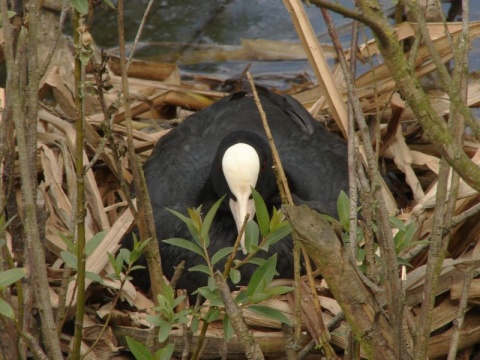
x=80 y=196
x=144 y=219
x=25 y=117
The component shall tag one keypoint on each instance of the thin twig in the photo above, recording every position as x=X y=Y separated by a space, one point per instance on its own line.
x=80 y=195
x=456 y=123
x=352 y=151
x=434 y=265
x=139 y=33
x=252 y=349
x=286 y=199
x=144 y=219
x=278 y=167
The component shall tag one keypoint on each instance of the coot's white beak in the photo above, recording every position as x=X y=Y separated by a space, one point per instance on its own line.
x=241 y=166
x=240 y=208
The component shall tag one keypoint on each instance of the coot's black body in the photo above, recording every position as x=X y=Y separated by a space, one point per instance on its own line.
x=183 y=170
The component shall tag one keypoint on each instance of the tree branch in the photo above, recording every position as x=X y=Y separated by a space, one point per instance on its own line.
x=409 y=86
x=364 y=314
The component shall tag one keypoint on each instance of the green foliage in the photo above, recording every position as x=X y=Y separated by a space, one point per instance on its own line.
x=7 y=278
x=126 y=259
x=252 y=233
x=227 y=328
x=259 y=236
x=166 y=317
x=141 y=352
x=82 y=5
x=343 y=209
x=261 y=213
x=404 y=238
x=269 y=313
x=10 y=15
x=70 y=255
x=404 y=235
x=259 y=287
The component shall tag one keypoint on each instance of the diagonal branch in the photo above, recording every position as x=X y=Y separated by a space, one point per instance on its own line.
x=409 y=86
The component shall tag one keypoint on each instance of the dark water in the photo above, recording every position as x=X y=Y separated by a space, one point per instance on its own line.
x=183 y=22
x=174 y=26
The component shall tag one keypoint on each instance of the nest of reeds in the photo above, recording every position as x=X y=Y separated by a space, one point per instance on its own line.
x=404 y=150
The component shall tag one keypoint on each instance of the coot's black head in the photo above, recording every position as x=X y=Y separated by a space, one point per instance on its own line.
x=243 y=160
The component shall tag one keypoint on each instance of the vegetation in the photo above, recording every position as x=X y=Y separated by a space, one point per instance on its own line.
x=395 y=285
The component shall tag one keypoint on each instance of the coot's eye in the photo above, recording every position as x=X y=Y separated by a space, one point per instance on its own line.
x=264 y=166
x=219 y=167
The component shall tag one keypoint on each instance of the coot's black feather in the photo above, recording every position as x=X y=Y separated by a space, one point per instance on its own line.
x=179 y=174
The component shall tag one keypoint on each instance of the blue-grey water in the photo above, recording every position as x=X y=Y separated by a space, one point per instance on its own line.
x=175 y=28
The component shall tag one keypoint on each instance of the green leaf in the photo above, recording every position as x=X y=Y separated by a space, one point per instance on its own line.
x=154 y=320
x=113 y=262
x=269 y=313
x=69 y=258
x=194 y=324
x=207 y=221
x=191 y=227
x=168 y=292
x=166 y=352
x=186 y=244
x=212 y=315
x=164 y=331
x=242 y=298
x=343 y=208
x=396 y=222
x=123 y=257
x=141 y=244
x=257 y=261
x=178 y=300
x=277 y=218
x=3 y=224
x=262 y=277
x=278 y=234
x=402 y=261
x=220 y=254
x=70 y=245
x=119 y=260
x=200 y=268
x=212 y=296
x=8 y=277
x=251 y=235
x=409 y=233
x=211 y=284
x=109 y=4
x=278 y=290
x=261 y=213
x=195 y=215
x=6 y=309
x=227 y=328
x=93 y=243
x=235 y=276
x=80 y=5
x=258 y=297
x=138 y=350
x=136 y=267
x=94 y=277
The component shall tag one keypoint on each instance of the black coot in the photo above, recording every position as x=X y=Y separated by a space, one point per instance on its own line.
x=223 y=150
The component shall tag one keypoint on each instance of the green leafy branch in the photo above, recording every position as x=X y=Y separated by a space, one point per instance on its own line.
x=404 y=237
x=271 y=229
